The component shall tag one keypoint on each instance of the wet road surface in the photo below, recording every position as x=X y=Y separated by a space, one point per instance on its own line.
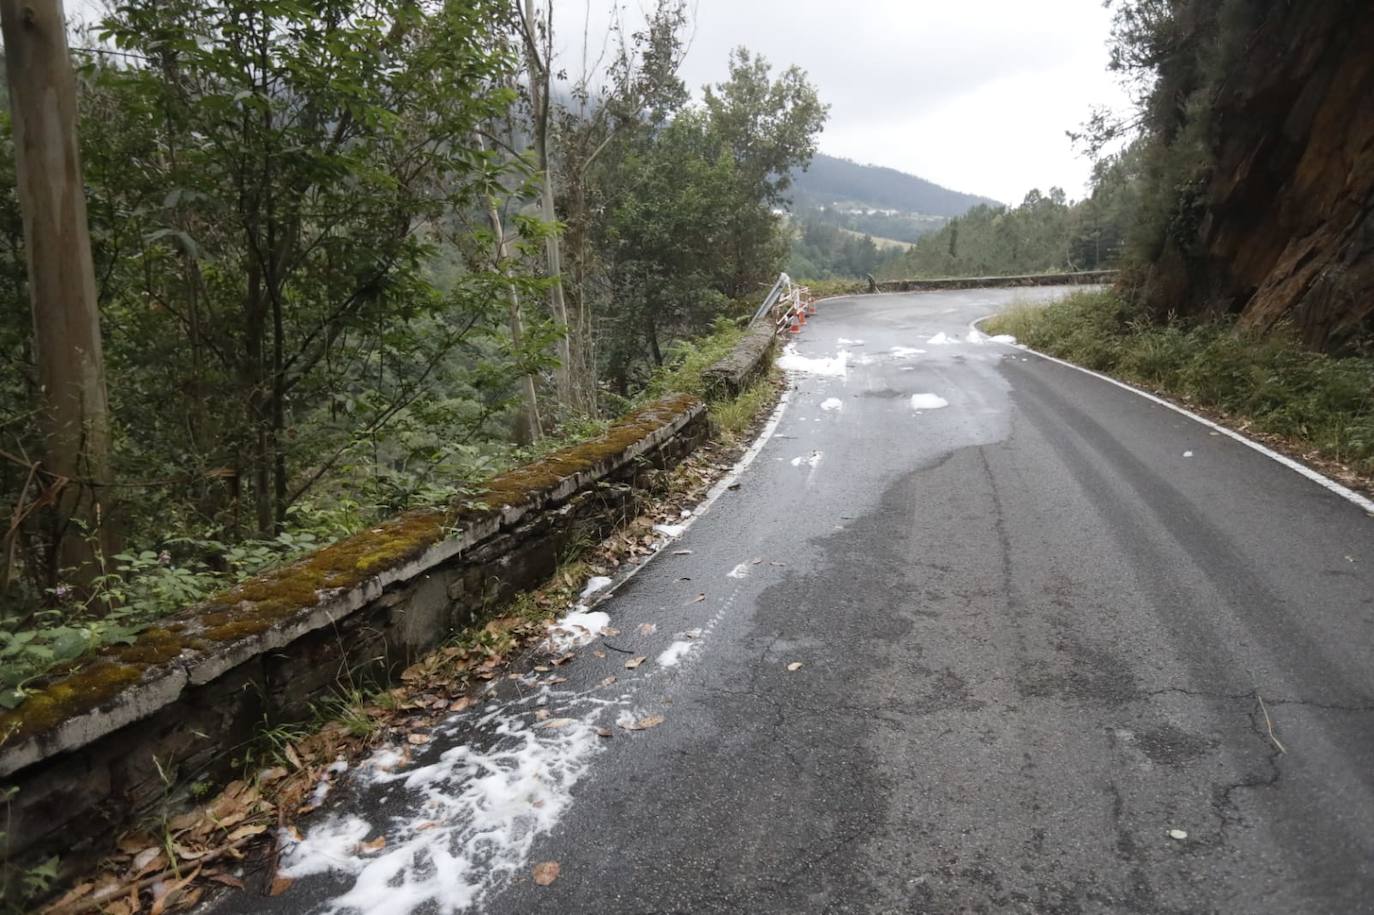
x=1061 y=650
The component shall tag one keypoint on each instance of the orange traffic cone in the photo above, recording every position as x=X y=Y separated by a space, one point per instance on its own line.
x=801 y=316
x=795 y=326
x=811 y=308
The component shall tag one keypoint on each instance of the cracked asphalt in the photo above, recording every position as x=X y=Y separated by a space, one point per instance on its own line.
x=1034 y=636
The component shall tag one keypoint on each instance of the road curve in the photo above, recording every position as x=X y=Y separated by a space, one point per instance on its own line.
x=1061 y=649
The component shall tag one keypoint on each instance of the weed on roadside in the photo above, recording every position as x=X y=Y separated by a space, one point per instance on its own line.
x=1320 y=406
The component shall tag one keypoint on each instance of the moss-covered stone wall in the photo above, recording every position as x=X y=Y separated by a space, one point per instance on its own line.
x=746 y=361
x=82 y=749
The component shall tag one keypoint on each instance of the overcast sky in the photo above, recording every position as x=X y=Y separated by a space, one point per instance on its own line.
x=972 y=94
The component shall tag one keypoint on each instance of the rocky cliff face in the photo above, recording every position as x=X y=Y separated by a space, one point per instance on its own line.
x=1286 y=231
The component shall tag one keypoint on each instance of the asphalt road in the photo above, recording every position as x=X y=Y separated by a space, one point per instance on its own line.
x=1039 y=628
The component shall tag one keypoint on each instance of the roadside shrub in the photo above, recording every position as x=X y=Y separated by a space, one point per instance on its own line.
x=1268 y=382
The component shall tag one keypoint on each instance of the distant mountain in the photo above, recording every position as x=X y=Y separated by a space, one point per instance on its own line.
x=831 y=180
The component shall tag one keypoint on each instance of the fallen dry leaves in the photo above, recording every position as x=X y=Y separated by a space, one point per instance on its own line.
x=643 y=724
x=634 y=662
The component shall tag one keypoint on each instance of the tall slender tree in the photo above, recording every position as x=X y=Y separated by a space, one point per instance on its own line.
x=537 y=37
x=75 y=415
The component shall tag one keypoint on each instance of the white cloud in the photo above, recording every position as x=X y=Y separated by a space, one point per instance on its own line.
x=976 y=95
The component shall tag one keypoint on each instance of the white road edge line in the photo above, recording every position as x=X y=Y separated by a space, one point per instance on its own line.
x=714 y=493
x=1321 y=480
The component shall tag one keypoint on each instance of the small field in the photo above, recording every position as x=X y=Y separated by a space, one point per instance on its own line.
x=1319 y=408
x=882 y=244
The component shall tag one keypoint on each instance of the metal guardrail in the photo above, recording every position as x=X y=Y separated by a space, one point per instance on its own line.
x=788 y=304
x=784 y=281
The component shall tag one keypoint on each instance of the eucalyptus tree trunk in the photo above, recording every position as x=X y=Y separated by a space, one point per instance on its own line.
x=530 y=409
x=75 y=416
x=539 y=103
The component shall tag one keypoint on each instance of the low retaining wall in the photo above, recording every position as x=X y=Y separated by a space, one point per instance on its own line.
x=749 y=359
x=1089 y=278
x=88 y=752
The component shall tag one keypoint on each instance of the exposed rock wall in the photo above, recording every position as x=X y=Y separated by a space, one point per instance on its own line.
x=1286 y=232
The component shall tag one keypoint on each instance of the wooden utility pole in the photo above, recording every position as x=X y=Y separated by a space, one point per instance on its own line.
x=75 y=416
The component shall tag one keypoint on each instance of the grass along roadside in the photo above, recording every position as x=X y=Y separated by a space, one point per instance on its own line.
x=1314 y=407
x=232 y=832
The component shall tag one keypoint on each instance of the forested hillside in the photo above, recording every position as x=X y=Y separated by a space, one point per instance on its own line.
x=840 y=207
x=349 y=258
x=1043 y=234
x=1046 y=232
x=830 y=180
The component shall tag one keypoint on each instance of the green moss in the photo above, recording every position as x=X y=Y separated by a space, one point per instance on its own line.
x=518 y=486
x=153 y=646
x=82 y=691
x=238 y=629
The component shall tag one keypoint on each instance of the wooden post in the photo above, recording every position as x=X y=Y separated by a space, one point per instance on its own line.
x=75 y=418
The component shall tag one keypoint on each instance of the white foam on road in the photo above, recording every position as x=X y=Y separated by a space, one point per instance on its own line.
x=832 y=403
x=674 y=653
x=928 y=402
x=941 y=339
x=594 y=584
x=472 y=817
x=670 y=530
x=834 y=367
x=845 y=341
x=575 y=629
x=906 y=352
x=978 y=337
x=739 y=571
x=812 y=460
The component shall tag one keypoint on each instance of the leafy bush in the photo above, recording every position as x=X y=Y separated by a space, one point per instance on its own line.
x=138 y=589
x=686 y=360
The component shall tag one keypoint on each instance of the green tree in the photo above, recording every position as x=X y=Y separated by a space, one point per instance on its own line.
x=275 y=181
x=769 y=126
